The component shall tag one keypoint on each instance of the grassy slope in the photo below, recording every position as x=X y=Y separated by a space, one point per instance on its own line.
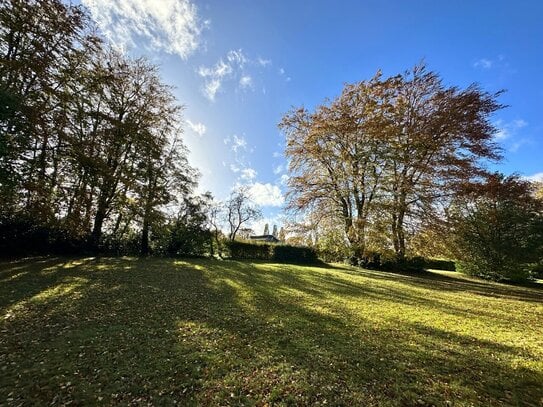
x=231 y=333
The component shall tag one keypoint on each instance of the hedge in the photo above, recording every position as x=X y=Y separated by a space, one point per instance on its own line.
x=447 y=265
x=389 y=262
x=272 y=252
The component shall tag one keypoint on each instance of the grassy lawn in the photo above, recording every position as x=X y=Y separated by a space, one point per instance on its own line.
x=205 y=332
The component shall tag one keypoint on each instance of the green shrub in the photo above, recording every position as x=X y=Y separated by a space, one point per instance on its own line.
x=537 y=270
x=21 y=235
x=498 y=234
x=294 y=254
x=245 y=250
x=332 y=247
x=387 y=261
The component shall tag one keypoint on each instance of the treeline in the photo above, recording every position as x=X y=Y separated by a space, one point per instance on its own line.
x=91 y=155
x=396 y=167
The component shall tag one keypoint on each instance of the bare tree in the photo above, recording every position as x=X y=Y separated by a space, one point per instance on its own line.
x=215 y=213
x=240 y=210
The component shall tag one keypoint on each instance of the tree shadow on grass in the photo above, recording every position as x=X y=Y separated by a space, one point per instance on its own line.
x=232 y=333
x=445 y=283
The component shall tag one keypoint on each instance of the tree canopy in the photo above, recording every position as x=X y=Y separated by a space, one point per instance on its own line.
x=382 y=155
x=91 y=140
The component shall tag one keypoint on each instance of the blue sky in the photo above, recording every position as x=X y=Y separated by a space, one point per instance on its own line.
x=238 y=66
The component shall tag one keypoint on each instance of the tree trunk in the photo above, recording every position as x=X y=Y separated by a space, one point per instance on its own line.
x=398 y=234
x=101 y=212
x=96 y=234
x=218 y=241
x=151 y=185
x=144 y=249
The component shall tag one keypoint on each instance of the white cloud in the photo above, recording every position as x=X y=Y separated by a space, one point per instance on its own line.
x=505 y=130
x=277 y=154
x=535 y=177
x=236 y=143
x=266 y=194
x=518 y=144
x=237 y=57
x=281 y=71
x=233 y=67
x=248 y=174
x=519 y=124
x=172 y=26
x=225 y=68
x=263 y=62
x=483 y=63
x=198 y=128
x=246 y=82
x=278 y=170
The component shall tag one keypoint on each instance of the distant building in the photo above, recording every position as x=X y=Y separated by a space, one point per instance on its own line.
x=265 y=238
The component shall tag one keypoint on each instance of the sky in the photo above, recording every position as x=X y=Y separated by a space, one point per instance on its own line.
x=239 y=65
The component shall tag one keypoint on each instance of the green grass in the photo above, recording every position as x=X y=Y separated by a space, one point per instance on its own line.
x=205 y=332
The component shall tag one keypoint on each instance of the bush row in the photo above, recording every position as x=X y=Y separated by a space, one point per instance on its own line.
x=389 y=262
x=272 y=252
x=438 y=264
x=23 y=236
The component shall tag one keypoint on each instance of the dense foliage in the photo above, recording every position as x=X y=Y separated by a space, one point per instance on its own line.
x=498 y=229
x=90 y=147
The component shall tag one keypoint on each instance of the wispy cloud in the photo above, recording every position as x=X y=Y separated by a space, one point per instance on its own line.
x=198 y=128
x=236 y=143
x=518 y=144
x=263 y=62
x=246 y=82
x=507 y=130
x=499 y=65
x=248 y=174
x=282 y=72
x=278 y=169
x=483 y=63
x=172 y=26
x=234 y=66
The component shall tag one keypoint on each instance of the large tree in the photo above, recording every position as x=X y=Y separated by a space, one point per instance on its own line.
x=388 y=148
x=90 y=140
x=438 y=139
x=337 y=155
x=39 y=41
